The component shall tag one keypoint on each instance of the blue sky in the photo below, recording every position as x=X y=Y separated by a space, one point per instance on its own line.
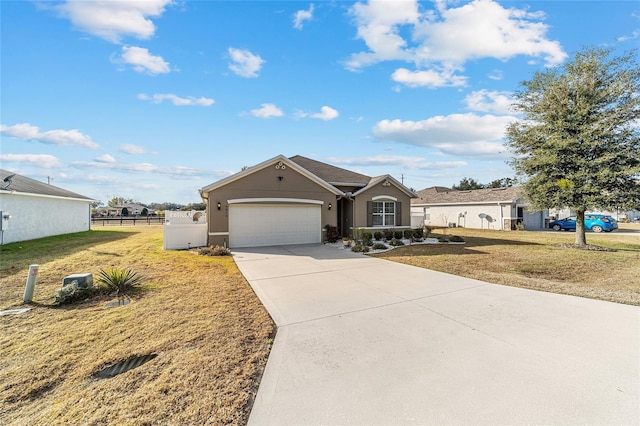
x=152 y=100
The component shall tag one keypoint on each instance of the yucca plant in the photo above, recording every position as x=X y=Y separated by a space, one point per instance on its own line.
x=119 y=280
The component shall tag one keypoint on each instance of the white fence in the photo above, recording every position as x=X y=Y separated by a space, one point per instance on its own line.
x=183 y=230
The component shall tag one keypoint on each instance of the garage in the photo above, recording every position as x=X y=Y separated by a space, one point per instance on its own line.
x=254 y=225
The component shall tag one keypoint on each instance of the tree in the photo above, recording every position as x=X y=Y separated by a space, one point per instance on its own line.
x=118 y=201
x=467 y=184
x=501 y=183
x=578 y=144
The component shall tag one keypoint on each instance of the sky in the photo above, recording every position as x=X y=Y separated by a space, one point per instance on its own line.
x=153 y=100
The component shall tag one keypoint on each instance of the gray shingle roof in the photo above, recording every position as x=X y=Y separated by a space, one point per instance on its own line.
x=441 y=195
x=329 y=173
x=31 y=186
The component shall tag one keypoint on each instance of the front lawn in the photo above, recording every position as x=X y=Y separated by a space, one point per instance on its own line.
x=537 y=260
x=211 y=333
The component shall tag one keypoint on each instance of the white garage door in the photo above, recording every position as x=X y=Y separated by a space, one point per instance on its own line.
x=253 y=225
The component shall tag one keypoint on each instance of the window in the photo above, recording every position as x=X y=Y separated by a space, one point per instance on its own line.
x=384 y=213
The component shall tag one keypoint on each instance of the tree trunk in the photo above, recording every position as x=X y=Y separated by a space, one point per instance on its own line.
x=581 y=238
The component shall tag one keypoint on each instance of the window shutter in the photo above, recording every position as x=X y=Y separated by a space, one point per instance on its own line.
x=369 y=213
x=398 y=214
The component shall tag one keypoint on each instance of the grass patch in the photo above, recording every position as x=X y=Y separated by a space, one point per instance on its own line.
x=197 y=313
x=537 y=260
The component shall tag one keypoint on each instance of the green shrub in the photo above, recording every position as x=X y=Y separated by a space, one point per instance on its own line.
x=418 y=233
x=377 y=235
x=379 y=246
x=456 y=239
x=397 y=235
x=388 y=234
x=367 y=238
x=443 y=238
x=72 y=293
x=332 y=233
x=119 y=280
x=214 y=251
x=360 y=248
x=396 y=242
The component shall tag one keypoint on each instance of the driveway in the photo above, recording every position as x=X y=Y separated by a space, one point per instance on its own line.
x=365 y=341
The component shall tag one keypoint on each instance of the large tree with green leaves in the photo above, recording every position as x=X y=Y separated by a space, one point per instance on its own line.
x=578 y=144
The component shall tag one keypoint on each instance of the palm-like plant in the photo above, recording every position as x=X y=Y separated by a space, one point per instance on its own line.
x=119 y=280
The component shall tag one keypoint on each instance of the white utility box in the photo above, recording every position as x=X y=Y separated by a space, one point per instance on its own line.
x=82 y=280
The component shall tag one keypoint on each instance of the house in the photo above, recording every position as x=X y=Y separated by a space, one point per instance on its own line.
x=490 y=208
x=293 y=200
x=32 y=209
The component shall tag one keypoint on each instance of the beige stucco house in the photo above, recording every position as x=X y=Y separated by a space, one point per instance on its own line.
x=491 y=208
x=292 y=200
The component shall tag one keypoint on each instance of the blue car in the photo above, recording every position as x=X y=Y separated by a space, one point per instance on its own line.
x=593 y=222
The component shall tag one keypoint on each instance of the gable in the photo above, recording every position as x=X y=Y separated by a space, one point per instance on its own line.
x=273 y=176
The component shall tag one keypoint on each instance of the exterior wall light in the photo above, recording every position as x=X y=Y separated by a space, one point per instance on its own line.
x=219 y=205
x=330 y=206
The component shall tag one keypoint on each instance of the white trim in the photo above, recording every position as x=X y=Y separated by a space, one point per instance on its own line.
x=58 y=197
x=384 y=197
x=377 y=180
x=274 y=200
x=212 y=234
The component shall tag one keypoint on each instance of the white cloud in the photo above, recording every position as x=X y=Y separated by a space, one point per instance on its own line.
x=266 y=111
x=26 y=131
x=175 y=171
x=112 y=20
x=106 y=158
x=245 y=63
x=302 y=15
x=439 y=42
x=459 y=134
x=496 y=75
x=134 y=149
x=176 y=100
x=379 y=25
x=142 y=61
x=419 y=163
x=489 y=101
x=326 y=113
x=429 y=78
x=40 y=160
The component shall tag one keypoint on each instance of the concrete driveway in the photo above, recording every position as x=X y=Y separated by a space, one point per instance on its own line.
x=364 y=341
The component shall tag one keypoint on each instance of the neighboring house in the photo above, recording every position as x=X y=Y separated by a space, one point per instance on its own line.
x=127 y=210
x=491 y=208
x=38 y=210
x=292 y=200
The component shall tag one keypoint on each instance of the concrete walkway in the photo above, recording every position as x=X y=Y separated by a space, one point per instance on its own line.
x=364 y=341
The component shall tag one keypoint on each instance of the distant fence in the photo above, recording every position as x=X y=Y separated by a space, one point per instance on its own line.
x=183 y=230
x=127 y=220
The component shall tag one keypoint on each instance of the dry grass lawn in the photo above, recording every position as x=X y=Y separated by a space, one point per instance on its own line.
x=535 y=260
x=198 y=313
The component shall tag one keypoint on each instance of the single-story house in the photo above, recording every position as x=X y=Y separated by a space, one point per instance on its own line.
x=491 y=208
x=126 y=210
x=293 y=201
x=31 y=209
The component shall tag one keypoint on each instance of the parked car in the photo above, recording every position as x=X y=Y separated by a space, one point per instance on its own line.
x=593 y=222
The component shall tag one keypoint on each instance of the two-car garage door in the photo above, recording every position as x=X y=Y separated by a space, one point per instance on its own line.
x=253 y=225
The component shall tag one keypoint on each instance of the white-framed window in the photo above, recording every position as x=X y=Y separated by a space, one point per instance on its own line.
x=384 y=213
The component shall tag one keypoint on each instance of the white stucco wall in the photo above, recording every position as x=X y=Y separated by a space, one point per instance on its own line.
x=43 y=216
x=480 y=216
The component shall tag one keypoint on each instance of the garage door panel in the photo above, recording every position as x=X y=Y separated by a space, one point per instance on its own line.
x=252 y=225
